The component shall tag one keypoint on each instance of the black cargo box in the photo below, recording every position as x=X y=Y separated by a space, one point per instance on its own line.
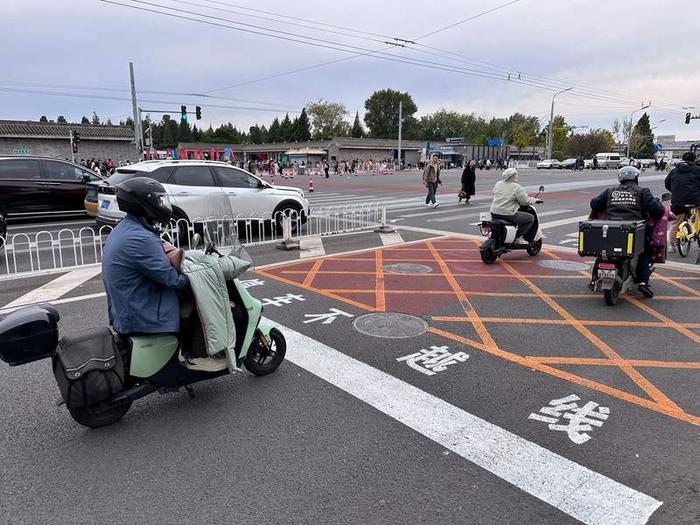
x=28 y=334
x=615 y=238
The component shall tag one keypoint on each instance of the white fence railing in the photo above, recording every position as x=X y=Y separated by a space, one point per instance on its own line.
x=28 y=253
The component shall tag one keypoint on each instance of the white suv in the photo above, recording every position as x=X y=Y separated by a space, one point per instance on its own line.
x=189 y=181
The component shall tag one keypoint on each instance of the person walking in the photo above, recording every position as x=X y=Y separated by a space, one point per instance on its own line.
x=431 y=176
x=468 y=181
x=325 y=167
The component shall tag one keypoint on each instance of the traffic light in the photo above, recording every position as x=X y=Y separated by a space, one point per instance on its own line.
x=75 y=139
x=198 y=112
x=183 y=113
x=687 y=117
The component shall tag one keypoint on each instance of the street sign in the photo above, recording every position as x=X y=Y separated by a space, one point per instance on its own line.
x=658 y=147
x=454 y=140
x=494 y=142
x=21 y=152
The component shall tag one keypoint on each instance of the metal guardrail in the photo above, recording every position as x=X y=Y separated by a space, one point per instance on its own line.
x=31 y=253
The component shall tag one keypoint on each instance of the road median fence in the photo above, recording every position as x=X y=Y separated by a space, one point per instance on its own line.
x=31 y=253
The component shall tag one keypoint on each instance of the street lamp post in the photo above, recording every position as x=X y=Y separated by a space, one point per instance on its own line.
x=551 y=118
x=629 y=139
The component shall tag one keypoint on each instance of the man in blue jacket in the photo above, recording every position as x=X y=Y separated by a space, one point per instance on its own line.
x=140 y=282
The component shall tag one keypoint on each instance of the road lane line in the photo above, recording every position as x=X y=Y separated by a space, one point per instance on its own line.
x=576 y=490
x=76 y=299
x=562 y=222
x=56 y=288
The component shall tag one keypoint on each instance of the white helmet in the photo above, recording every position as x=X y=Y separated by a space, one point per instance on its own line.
x=628 y=173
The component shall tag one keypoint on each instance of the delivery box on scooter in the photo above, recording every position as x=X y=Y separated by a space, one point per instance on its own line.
x=610 y=238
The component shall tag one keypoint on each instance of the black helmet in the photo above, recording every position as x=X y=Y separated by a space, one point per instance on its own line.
x=146 y=198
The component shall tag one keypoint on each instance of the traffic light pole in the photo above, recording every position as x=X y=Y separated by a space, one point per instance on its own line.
x=72 y=153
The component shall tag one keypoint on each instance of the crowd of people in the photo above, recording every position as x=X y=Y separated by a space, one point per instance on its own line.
x=104 y=167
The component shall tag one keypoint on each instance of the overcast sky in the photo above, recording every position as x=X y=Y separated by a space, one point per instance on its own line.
x=628 y=51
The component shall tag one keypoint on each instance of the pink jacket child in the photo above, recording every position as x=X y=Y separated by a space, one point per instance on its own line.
x=659 y=233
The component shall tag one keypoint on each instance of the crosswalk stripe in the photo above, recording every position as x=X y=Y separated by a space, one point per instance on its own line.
x=562 y=483
x=311 y=247
x=56 y=288
x=441 y=212
x=389 y=239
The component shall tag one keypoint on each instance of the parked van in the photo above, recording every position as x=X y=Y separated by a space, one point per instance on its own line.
x=607 y=160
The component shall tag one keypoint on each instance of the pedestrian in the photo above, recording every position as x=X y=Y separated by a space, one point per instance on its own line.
x=325 y=168
x=595 y=162
x=431 y=176
x=468 y=181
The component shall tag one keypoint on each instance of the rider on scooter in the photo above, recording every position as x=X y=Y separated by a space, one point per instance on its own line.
x=630 y=202
x=508 y=197
x=140 y=281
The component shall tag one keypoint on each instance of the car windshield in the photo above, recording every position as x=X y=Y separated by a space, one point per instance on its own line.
x=121 y=176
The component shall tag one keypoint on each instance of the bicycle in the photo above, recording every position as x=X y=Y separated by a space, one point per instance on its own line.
x=688 y=231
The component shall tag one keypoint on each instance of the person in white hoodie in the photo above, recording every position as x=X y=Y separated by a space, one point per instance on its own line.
x=508 y=196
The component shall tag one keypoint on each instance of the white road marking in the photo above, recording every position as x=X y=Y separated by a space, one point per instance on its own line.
x=311 y=247
x=563 y=222
x=56 y=288
x=425 y=213
x=76 y=299
x=327 y=318
x=390 y=238
x=574 y=489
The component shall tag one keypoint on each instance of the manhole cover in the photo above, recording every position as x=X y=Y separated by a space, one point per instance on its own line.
x=568 y=266
x=390 y=325
x=407 y=268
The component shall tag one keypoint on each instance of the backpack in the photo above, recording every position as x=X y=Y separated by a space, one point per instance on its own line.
x=88 y=368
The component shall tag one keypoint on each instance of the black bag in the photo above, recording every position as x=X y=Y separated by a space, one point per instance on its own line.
x=88 y=368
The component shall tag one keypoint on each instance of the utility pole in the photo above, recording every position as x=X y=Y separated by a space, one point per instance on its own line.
x=72 y=153
x=551 y=118
x=629 y=139
x=400 y=125
x=137 y=115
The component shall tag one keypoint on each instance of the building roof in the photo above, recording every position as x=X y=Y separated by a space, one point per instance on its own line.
x=52 y=130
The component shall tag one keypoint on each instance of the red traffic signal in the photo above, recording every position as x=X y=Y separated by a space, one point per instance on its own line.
x=687 y=117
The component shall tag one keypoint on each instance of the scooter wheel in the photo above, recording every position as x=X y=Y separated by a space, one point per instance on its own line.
x=611 y=296
x=534 y=248
x=488 y=256
x=261 y=361
x=96 y=418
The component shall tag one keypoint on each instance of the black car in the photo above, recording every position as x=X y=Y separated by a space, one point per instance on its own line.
x=32 y=187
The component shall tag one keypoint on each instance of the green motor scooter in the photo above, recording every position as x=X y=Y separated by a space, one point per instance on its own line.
x=129 y=367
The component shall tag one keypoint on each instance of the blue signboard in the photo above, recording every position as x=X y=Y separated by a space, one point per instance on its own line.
x=658 y=147
x=494 y=142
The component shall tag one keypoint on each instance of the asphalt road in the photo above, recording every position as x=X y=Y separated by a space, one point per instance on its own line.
x=359 y=428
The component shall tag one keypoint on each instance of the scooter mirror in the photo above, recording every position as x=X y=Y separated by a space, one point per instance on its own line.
x=196 y=241
x=541 y=189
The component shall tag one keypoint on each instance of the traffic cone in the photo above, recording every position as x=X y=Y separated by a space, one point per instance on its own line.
x=311 y=185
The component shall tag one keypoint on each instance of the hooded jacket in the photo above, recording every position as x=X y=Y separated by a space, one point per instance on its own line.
x=684 y=184
x=508 y=195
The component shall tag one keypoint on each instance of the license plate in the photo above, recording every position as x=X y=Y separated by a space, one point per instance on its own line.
x=104 y=205
x=606 y=274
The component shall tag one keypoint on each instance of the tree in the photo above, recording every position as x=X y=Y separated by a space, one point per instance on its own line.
x=43 y=118
x=61 y=119
x=255 y=134
x=109 y=122
x=184 y=132
x=560 y=136
x=382 y=115
x=521 y=130
x=328 y=119
x=642 y=139
x=196 y=136
x=588 y=144
x=286 y=129
x=274 y=134
x=129 y=122
x=84 y=120
x=95 y=119
x=357 y=130
x=443 y=124
x=302 y=127
x=170 y=130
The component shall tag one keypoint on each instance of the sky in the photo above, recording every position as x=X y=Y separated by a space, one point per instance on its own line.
x=617 y=55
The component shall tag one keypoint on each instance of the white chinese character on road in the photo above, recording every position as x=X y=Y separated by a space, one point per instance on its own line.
x=579 y=419
x=328 y=318
x=437 y=359
x=284 y=299
x=252 y=282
